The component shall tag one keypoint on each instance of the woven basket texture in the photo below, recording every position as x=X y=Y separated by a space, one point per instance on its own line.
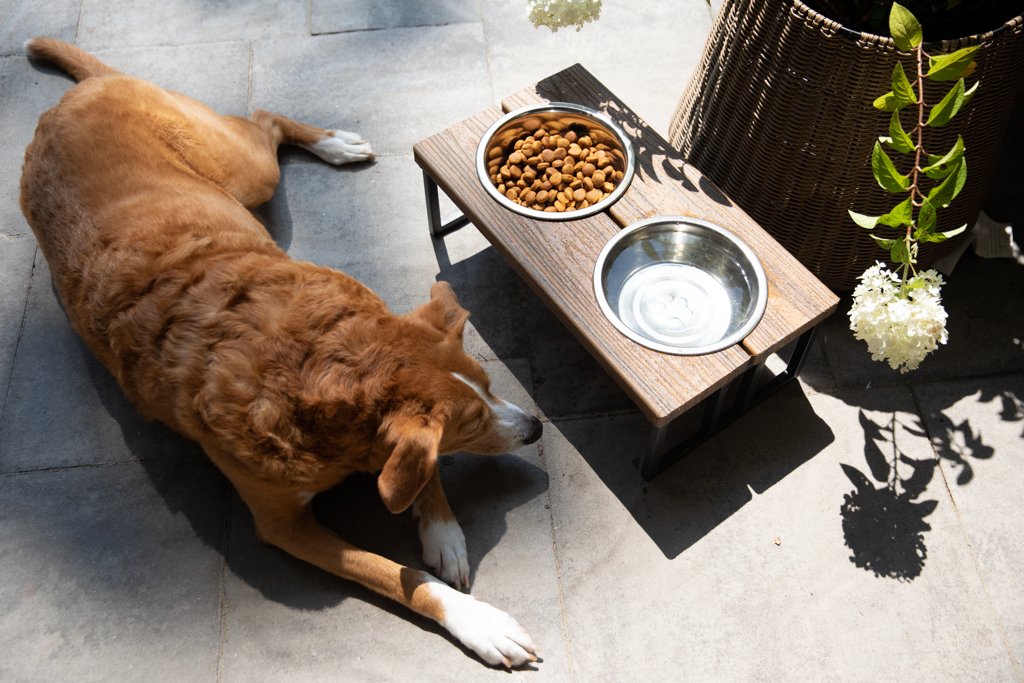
x=778 y=114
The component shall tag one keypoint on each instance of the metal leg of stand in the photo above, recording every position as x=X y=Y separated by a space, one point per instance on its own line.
x=652 y=457
x=796 y=363
x=803 y=345
x=748 y=393
x=439 y=228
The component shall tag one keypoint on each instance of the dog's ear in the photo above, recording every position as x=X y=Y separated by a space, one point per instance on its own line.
x=444 y=311
x=413 y=440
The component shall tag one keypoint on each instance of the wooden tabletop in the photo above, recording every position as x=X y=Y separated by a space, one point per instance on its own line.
x=557 y=258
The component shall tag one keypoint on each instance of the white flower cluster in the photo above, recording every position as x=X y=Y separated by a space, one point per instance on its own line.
x=556 y=14
x=901 y=324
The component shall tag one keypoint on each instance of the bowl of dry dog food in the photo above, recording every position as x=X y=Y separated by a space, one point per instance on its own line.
x=555 y=161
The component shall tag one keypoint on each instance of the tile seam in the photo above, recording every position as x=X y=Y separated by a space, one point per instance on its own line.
x=562 y=611
x=1003 y=635
x=17 y=343
x=88 y=466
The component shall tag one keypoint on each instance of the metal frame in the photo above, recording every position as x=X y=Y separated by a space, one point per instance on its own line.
x=716 y=416
x=439 y=227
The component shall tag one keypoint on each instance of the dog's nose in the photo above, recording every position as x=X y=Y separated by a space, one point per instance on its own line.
x=534 y=430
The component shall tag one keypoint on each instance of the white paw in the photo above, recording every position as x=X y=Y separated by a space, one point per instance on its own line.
x=341 y=147
x=494 y=635
x=444 y=551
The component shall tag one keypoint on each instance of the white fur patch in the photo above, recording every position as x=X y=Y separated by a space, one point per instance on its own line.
x=494 y=635
x=512 y=423
x=444 y=551
x=341 y=147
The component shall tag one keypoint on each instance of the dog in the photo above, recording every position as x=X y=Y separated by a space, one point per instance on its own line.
x=291 y=376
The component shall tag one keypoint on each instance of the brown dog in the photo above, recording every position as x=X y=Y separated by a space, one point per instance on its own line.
x=291 y=376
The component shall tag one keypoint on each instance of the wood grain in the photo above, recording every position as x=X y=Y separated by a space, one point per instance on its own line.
x=557 y=258
x=666 y=185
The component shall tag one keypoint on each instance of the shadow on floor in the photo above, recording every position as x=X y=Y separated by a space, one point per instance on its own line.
x=691 y=498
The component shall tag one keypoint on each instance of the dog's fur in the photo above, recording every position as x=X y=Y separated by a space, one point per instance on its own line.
x=291 y=376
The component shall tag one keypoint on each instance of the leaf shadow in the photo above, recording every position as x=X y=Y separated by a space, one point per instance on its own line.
x=883 y=517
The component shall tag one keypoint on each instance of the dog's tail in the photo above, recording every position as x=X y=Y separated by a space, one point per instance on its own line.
x=74 y=60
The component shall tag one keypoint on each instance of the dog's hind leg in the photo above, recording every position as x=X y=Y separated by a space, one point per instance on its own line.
x=336 y=147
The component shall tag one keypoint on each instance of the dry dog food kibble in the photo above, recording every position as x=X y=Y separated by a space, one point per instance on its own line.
x=551 y=171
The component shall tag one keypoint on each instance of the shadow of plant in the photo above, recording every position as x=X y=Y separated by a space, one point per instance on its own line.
x=957 y=441
x=655 y=157
x=884 y=525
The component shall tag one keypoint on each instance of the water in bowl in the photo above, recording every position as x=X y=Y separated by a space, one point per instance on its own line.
x=676 y=304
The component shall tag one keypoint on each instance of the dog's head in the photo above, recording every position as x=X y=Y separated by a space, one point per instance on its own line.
x=445 y=404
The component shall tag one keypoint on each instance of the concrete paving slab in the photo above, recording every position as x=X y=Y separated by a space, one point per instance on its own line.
x=289 y=621
x=216 y=74
x=135 y=23
x=332 y=217
x=63 y=408
x=26 y=92
x=643 y=52
x=761 y=583
x=355 y=15
x=567 y=380
x=490 y=290
x=23 y=20
x=111 y=573
x=395 y=87
x=967 y=422
x=16 y=257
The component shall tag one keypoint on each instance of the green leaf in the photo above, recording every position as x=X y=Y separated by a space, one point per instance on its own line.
x=954 y=233
x=937 y=237
x=899 y=253
x=867 y=222
x=882 y=242
x=898 y=138
x=945 y=192
x=952 y=66
x=904 y=28
x=947 y=108
x=902 y=214
x=925 y=219
x=885 y=173
x=940 y=167
x=886 y=102
x=901 y=87
x=969 y=95
x=915 y=284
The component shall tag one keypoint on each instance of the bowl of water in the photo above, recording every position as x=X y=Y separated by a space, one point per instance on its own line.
x=680 y=285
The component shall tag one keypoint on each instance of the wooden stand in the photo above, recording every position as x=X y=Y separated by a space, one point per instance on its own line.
x=685 y=398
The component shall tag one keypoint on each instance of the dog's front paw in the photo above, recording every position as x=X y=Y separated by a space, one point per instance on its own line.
x=444 y=551
x=494 y=635
x=341 y=147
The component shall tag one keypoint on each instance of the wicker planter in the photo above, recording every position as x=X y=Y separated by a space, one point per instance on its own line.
x=778 y=114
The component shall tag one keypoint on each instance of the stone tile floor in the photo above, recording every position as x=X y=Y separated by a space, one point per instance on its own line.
x=861 y=525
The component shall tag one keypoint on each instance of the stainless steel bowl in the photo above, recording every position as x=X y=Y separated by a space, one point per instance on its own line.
x=680 y=285
x=562 y=116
